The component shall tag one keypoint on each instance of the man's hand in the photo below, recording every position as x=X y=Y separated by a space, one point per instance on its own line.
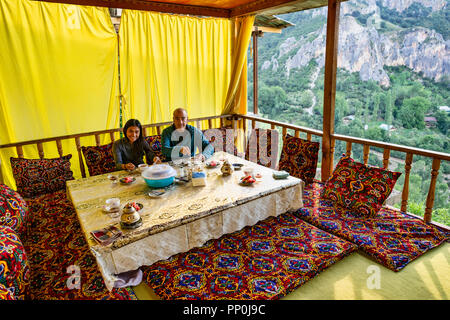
x=129 y=167
x=185 y=151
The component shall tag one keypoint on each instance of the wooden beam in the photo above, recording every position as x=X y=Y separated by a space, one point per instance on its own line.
x=329 y=94
x=255 y=35
x=260 y=6
x=151 y=6
x=268 y=29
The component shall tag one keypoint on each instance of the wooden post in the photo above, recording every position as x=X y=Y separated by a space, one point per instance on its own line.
x=405 y=192
x=430 y=198
x=329 y=94
x=366 y=150
x=1 y=174
x=386 y=155
x=255 y=35
x=59 y=147
x=19 y=150
x=40 y=150
x=348 y=149
x=80 y=156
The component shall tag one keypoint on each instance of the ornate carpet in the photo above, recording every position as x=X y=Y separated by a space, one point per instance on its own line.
x=392 y=237
x=62 y=267
x=264 y=261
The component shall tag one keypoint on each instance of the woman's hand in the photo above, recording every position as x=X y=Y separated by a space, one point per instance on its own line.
x=129 y=166
x=156 y=160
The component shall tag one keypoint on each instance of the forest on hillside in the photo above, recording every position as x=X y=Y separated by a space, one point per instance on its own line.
x=394 y=114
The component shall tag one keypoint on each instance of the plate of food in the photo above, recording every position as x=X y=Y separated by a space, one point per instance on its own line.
x=212 y=164
x=136 y=205
x=127 y=180
x=247 y=181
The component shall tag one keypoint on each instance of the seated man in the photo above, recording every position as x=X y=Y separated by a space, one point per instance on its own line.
x=180 y=139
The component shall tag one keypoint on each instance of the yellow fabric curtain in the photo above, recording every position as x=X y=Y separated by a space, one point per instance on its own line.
x=169 y=61
x=58 y=75
x=236 y=99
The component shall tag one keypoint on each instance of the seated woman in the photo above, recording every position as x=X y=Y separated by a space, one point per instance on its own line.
x=129 y=151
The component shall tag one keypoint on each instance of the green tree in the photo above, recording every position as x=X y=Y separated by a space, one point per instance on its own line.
x=272 y=100
x=376 y=99
x=412 y=112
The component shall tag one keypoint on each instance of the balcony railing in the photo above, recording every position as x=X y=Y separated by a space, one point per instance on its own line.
x=248 y=122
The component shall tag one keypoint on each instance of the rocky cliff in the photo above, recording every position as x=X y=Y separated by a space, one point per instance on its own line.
x=366 y=47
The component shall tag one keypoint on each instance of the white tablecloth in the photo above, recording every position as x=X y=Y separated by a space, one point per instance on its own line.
x=184 y=218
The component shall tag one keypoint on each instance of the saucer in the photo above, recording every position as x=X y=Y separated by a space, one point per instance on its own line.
x=237 y=166
x=157 y=193
x=109 y=209
x=134 y=225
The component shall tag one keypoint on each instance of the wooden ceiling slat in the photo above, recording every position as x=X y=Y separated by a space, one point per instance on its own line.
x=151 y=6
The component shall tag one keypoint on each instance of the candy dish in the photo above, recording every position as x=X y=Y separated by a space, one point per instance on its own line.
x=127 y=180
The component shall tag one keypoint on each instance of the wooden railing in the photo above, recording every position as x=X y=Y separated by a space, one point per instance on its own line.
x=367 y=144
x=197 y=122
x=247 y=122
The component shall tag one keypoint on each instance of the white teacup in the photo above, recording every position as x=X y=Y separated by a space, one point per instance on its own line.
x=248 y=171
x=113 y=203
x=142 y=167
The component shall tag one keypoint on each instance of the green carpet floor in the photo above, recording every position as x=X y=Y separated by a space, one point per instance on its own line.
x=357 y=277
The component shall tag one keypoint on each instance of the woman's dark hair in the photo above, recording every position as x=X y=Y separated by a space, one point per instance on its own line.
x=139 y=143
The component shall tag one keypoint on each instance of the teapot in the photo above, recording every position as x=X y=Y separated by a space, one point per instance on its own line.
x=226 y=169
x=130 y=217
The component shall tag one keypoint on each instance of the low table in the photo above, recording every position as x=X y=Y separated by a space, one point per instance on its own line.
x=183 y=218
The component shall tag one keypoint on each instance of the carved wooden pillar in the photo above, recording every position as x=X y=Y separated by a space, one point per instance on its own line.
x=431 y=191
x=405 y=192
x=329 y=94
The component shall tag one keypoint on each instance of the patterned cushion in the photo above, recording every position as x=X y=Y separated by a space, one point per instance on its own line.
x=56 y=243
x=262 y=147
x=38 y=176
x=358 y=187
x=155 y=145
x=14 y=267
x=13 y=210
x=99 y=159
x=222 y=139
x=299 y=158
x=5 y=294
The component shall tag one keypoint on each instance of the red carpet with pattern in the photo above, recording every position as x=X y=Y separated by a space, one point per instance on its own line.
x=264 y=261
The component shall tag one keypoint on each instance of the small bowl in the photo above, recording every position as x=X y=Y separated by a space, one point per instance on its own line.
x=237 y=166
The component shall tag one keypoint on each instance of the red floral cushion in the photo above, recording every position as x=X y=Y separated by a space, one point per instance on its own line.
x=5 y=294
x=155 y=145
x=99 y=159
x=299 y=158
x=14 y=267
x=222 y=139
x=262 y=147
x=13 y=210
x=38 y=176
x=358 y=187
